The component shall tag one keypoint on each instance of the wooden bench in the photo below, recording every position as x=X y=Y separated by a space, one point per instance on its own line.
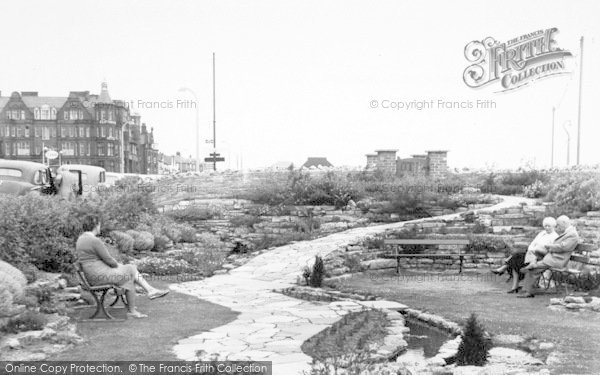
x=580 y=280
x=99 y=293
x=398 y=242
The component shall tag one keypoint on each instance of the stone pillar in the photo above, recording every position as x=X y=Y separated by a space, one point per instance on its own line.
x=386 y=161
x=437 y=164
x=371 y=162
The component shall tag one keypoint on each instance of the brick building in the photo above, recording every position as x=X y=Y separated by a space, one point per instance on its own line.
x=84 y=128
x=433 y=164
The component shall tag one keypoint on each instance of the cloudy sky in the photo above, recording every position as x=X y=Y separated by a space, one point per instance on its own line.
x=300 y=78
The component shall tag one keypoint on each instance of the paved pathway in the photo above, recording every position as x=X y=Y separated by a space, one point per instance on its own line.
x=272 y=326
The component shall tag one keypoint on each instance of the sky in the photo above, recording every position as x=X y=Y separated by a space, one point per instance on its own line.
x=296 y=79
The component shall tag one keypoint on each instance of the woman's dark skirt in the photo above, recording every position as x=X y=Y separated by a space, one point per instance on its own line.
x=516 y=262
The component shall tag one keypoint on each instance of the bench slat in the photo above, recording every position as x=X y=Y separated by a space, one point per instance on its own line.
x=425 y=242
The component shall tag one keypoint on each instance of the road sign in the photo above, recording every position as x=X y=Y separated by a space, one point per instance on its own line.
x=213 y=160
x=51 y=154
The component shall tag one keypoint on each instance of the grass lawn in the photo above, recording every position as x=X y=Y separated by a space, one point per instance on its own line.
x=170 y=318
x=575 y=334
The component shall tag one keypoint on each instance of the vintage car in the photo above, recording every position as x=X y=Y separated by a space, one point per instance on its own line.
x=21 y=177
x=93 y=178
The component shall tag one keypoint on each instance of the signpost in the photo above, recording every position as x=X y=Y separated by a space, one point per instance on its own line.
x=51 y=155
x=214 y=157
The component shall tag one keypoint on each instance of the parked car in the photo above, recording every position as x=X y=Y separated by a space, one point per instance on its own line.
x=21 y=177
x=93 y=178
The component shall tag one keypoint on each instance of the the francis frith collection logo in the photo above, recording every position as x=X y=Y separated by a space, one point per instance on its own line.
x=515 y=63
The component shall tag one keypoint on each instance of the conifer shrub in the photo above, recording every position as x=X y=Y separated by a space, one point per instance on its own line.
x=316 y=276
x=474 y=347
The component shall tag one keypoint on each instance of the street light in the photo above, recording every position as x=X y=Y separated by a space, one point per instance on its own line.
x=185 y=89
x=568 y=123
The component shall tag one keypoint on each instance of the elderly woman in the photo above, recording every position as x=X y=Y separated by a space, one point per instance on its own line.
x=101 y=268
x=535 y=252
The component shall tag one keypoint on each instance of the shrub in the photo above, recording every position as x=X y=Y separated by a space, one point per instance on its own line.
x=12 y=280
x=244 y=221
x=162 y=266
x=29 y=271
x=353 y=263
x=488 y=243
x=474 y=347
x=316 y=276
x=576 y=193
x=142 y=240
x=194 y=213
x=535 y=190
x=28 y=321
x=123 y=241
x=36 y=229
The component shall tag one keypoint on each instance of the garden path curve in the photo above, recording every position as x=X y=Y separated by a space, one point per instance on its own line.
x=272 y=326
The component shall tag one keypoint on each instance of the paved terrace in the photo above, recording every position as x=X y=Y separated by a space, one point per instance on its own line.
x=272 y=326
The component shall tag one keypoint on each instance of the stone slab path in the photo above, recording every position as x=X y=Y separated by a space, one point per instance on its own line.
x=272 y=326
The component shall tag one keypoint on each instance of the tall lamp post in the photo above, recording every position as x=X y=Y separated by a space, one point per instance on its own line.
x=185 y=89
x=568 y=123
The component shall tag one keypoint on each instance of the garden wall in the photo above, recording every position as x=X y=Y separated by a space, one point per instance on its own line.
x=492 y=234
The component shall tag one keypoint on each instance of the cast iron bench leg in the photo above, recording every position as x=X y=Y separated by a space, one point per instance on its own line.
x=460 y=264
x=100 y=306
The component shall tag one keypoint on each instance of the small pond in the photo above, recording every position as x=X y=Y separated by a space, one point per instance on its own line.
x=424 y=341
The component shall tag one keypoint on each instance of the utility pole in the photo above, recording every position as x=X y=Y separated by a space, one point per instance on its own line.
x=214 y=118
x=552 y=156
x=579 y=107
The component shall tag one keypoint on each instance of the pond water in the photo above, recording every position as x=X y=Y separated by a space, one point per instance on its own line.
x=424 y=341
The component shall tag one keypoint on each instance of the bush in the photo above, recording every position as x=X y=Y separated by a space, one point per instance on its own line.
x=194 y=213
x=12 y=280
x=316 y=276
x=123 y=241
x=474 y=347
x=37 y=229
x=576 y=193
x=142 y=240
x=244 y=221
x=29 y=271
x=28 y=321
x=161 y=266
x=488 y=243
x=535 y=190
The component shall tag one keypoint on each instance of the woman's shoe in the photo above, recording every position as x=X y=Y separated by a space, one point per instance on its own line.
x=136 y=314
x=158 y=294
x=515 y=290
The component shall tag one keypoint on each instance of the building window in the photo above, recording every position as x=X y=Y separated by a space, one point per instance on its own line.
x=102 y=115
x=22 y=115
x=38 y=149
x=63 y=131
x=110 y=131
x=19 y=132
x=37 y=132
x=53 y=132
x=103 y=131
x=100 y=147
x=68 y=148
x=23 y=149
x=82 y=148
x=45 y=133
x=71 y=131
x=111 y=116
x=66 y=115
x=74 y=114
x=87 y=132
x=53 y=113
x=27 y=134
x=80 y=112
x=36 y=113
x=110 y=149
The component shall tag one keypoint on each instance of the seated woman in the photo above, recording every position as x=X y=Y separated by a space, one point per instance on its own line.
x=101 y=268
x=535 y=252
